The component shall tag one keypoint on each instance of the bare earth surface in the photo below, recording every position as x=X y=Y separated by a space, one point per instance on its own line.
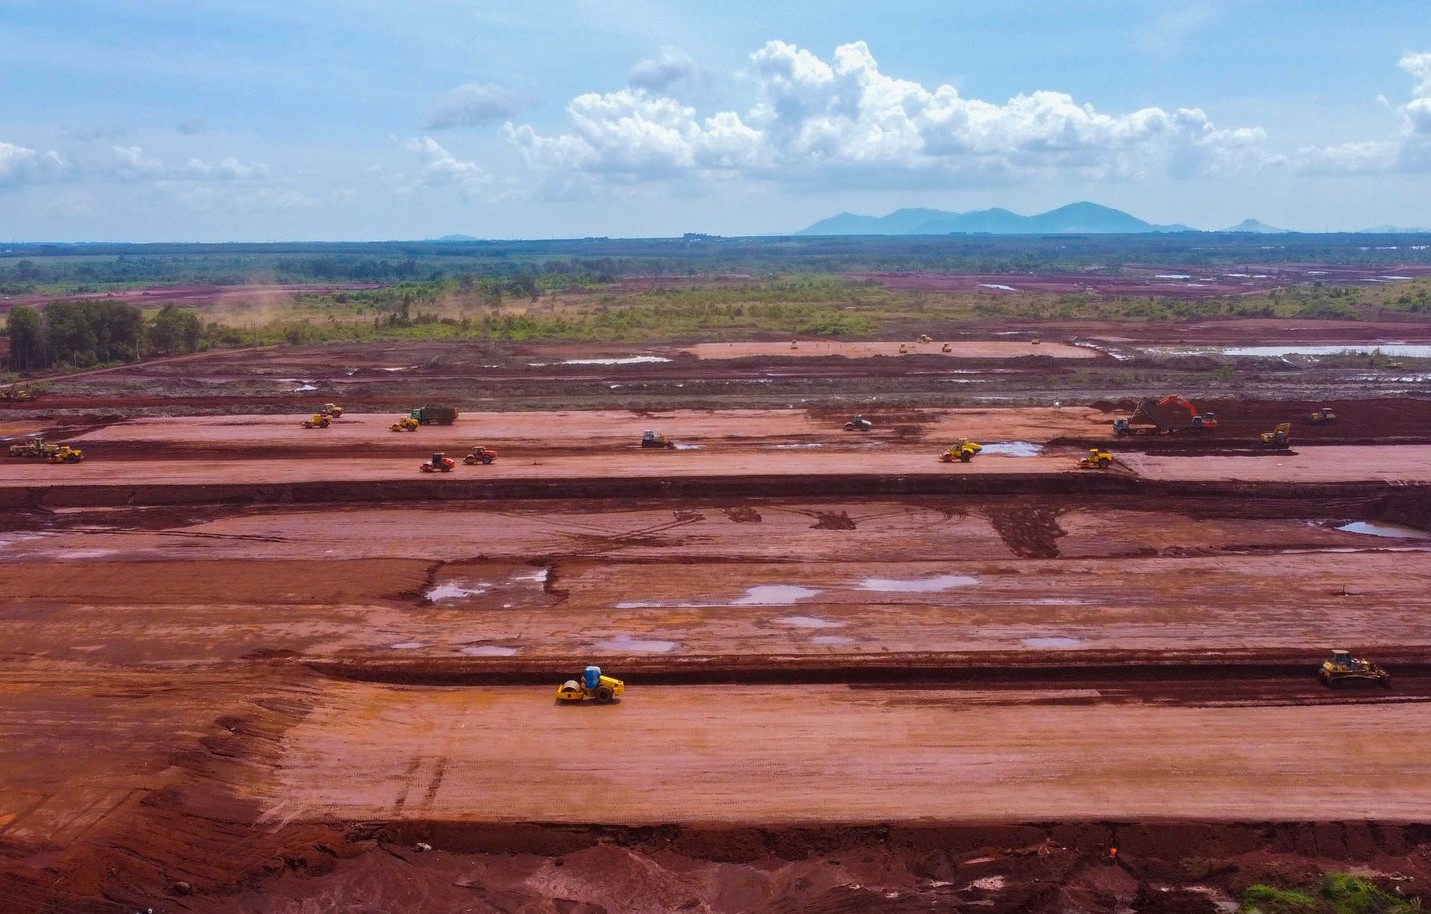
x=246 y=666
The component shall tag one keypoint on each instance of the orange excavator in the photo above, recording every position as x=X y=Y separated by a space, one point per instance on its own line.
x=1164 y=417
x=1196 y=420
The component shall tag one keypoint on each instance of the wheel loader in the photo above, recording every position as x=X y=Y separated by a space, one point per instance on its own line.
x=333 y=410
x=405 y=424
x=480 y=454
x=440 y=463
x=1324 y=416
x=67 y=454
x=318 y=421
x=591 y=685
x=1280 y=437
x=34 y=447
x=962 y=450
x=1342 y=668
x=651 y=438
x=1097 y=459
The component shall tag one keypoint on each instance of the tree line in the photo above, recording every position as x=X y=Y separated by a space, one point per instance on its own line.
x=87 y=333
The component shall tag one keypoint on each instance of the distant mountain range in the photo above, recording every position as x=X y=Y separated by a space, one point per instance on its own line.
x=1076 y=218
x=1256 y=228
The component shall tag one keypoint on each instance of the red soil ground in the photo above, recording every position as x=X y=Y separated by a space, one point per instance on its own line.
x=248 y=666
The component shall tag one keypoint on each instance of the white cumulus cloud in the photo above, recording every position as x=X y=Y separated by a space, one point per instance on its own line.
x=473 y=105
x=443 y=169
x=22 y=165
x=673 y=69
x=132 y=163
x=846 y=120
x=1409 y=150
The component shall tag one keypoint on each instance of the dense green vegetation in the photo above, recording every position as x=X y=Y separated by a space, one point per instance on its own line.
x=633 y=291
x=62 y=268
x=82 y=334
x=1339 y=893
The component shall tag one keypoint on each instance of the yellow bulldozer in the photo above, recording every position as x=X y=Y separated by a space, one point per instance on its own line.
x=591 y=685
x=66 y=454
x=962 y=450
x=405 y=424
x=1097 y=459
x=1341 y=668
x=15 y=392
x=1280 y=437
x=318 y=421
x=650 y=438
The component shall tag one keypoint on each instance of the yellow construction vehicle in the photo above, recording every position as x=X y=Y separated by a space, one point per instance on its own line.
x=33 y=447
x=962 y=450
x=333 y=410
x=651 y=438
x=1324 y=416
x=67 y=454
x=925 y=338
x=405 y=424
x=318 y=421
x=1097 y=459
x=1341 y=667
x=1279 y=437
x=593 y=685
x=15 y=392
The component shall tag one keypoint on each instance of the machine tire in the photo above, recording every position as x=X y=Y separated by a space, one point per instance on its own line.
x=604 y=694
x=1103 y=462
x=487 y=458
x=965 y=457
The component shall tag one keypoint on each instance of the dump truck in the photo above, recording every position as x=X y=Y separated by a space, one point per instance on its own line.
x=405 y=424
x=440 y=463
x=1341 y=668
x=33 y=447
x=593 y=685
x=480 y=454
x=859 y=424
x=1164 y=417
x=651 y=438
x=67 y=454
x=1279 y=437
x=962 y=450
x=1097 y=459
x=1324 y=416
x=318 y=421
x=434 y=415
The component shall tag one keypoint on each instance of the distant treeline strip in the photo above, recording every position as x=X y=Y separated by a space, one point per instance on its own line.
x=96 y=332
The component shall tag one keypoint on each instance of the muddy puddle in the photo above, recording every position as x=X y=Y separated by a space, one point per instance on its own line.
x=1053 y=643
x=808 y=622
x=638 y=645
x=489 y=650
x=918 y=585
x=759 y=595
x=507 y=588
x=1014 y=449
x=1390 y=531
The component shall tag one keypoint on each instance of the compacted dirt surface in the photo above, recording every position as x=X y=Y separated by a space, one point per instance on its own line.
x=246 y=666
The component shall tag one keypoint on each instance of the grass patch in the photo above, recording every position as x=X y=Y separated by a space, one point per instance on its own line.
x=1339 y=893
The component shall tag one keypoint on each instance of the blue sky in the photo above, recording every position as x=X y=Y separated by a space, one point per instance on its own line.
x=353 y=119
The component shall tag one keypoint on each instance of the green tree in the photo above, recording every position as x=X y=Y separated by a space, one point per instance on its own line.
x=70 y=333
x=27 y=339
x=174 y=330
